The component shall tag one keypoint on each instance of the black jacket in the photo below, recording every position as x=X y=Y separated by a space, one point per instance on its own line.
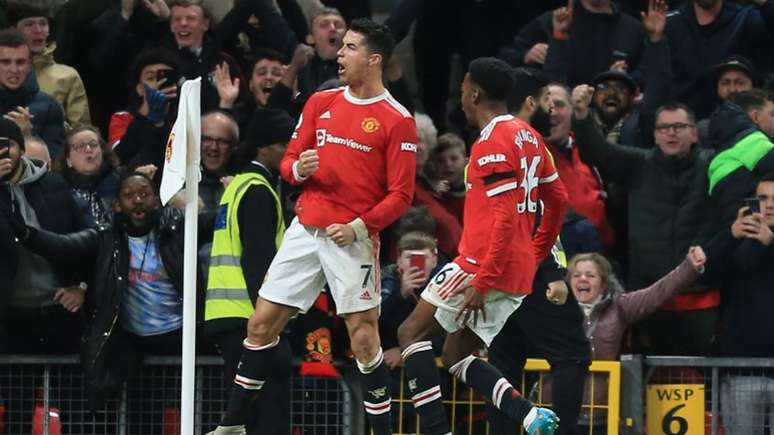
x=745 y=273
x=57 y=212
x=729 y=125
x=739 y=29
x=107 y=362
x=596 y=41
x=667 y=200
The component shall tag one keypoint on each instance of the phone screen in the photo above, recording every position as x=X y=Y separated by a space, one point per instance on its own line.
x=5 y=143
x=418 y=261
x=170 y=74
x=753 y=204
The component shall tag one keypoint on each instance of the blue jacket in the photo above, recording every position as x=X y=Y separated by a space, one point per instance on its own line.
x=395 y=308
x=48 y=121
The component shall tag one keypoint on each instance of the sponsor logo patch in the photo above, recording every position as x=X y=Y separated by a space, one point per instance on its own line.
x=491 y=158
x=408 y=146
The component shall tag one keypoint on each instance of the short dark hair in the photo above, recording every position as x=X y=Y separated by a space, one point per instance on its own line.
x=261 y=53
x=527 y=82
x=493 y=76
x=12 y=38
x=377 y=37
x=415 y=219
x=754 y=99
x=671 y=107
x=767 y=178
x=130 y=174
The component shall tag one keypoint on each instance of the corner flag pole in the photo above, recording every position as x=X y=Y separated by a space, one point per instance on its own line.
x=181 y=165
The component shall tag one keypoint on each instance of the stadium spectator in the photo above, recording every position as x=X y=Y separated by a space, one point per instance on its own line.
x=58 y=80
x=448 y=162
x=735 y=74
x=20 y=96
x=745 y=268
x=448 y=226
x=248 y=231
x=220 y=136
x=35 y=149
x=741 y=130
x=575 y=43
x=35 y=320
x=668 y=203
x=145 y=114
x=702 y=33
x=89 y=167
x=608 y=311
x=584 y=187
x=146 y=275
x=402 y=283
x=266 y=70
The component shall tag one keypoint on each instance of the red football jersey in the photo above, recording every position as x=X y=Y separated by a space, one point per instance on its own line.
x=508 y=166
x=367 y=150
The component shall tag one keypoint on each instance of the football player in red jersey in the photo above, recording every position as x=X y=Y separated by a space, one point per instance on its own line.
x=354 y=153
x=471 y=299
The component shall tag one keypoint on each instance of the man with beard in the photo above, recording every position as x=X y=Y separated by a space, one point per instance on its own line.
x=666 y=193
x=622 y=120
x=136 y=298
x=702 y=33
x=29 y=305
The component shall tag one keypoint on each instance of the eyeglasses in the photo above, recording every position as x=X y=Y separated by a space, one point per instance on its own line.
x=80 y=147
x=677 y=126
x=214 y=141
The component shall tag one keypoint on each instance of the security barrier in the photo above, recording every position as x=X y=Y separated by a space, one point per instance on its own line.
x=465 y=409
x=712 y=396
x=32 y=387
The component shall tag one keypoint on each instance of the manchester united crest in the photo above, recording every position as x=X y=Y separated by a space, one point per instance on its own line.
x=370 y=125
x=168 y=151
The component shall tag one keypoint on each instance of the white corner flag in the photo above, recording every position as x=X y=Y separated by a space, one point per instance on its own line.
x=184 y=141
x=181 y=166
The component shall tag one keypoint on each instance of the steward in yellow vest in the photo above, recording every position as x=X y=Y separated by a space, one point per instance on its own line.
x=248 y=230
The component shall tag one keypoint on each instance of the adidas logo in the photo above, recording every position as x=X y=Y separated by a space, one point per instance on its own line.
x=365 y=296
x=326 y=115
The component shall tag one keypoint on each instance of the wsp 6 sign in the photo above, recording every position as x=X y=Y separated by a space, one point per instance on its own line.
x=675 y=409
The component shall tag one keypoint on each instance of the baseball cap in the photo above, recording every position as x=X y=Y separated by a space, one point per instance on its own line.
x=736 y=62
x=616 y=75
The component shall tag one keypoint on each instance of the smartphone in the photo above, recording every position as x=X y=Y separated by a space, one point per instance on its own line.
x=418 y=260
x=172 y=76
x=753 y=204
x=5 y=143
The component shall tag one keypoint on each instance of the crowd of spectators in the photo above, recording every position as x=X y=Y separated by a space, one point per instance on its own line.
x=661 y=127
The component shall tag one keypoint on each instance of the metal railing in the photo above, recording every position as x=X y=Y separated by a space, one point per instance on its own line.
x=725 y=396
x=32 y=387
x=465 y=408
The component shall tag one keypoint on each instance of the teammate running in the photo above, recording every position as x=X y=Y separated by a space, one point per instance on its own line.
x=471 y=298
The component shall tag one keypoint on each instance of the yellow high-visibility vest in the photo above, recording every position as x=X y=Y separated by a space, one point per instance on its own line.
x=227 y=294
